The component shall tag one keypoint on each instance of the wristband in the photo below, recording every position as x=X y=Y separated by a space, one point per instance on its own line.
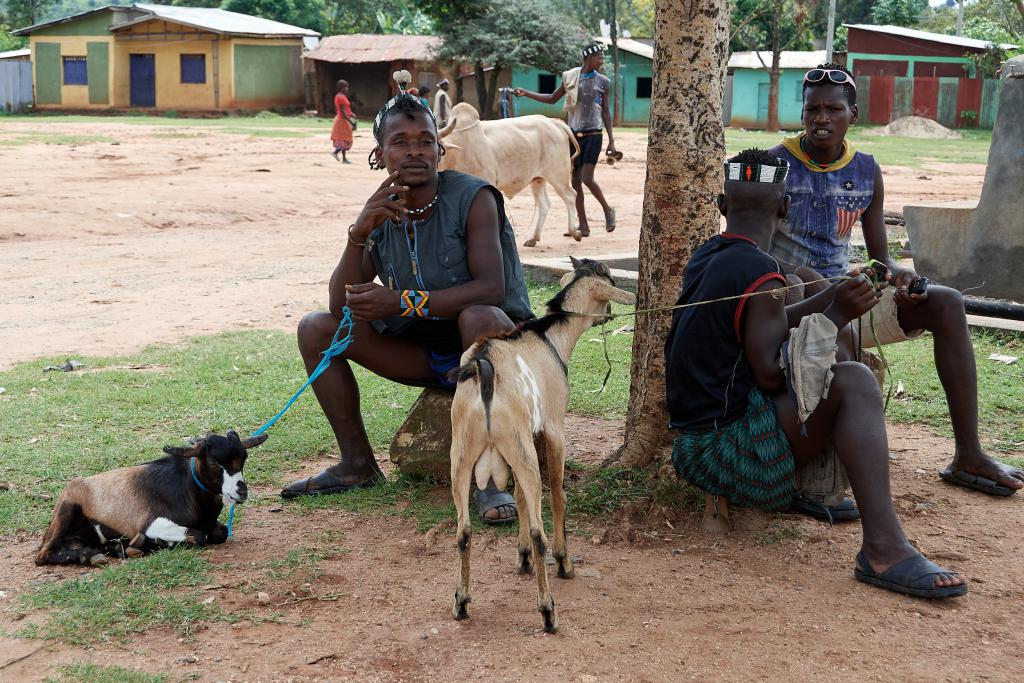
x=414 y=303
x=352 y=240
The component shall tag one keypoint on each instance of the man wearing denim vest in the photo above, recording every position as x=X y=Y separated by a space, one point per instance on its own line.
x=832 y=187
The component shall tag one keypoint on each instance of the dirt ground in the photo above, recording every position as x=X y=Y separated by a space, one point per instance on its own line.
x=107 y=248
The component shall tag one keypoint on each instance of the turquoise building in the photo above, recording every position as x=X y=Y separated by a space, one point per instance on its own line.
x=750 y=82
x=635 y=73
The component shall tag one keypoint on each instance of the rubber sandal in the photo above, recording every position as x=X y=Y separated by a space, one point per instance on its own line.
x=326 y=484
x=609 y=223
x=844 y=511
x=912 y=576
x=488 y=499
x=975 y=482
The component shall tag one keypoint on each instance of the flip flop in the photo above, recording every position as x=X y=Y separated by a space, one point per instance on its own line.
x=912 y=576
x=845 y=511
x=975 y=482
x=488 y=499
x=609 y=220
x=325 y=483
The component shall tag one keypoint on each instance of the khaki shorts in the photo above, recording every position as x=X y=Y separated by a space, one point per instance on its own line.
x=887 y=324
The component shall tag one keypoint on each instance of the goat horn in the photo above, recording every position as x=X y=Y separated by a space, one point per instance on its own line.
x=253 y=441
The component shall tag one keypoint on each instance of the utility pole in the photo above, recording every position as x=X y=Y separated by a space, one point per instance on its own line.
x=831 y=30
x=617 y=112
x=960 y=18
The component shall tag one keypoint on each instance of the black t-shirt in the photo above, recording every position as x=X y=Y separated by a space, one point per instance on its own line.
x=706 y=374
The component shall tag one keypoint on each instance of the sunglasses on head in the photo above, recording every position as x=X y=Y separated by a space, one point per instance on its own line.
x=833 y=75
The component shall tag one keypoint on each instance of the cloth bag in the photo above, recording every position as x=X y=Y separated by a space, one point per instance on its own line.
x=807 y=358
x=570 y=81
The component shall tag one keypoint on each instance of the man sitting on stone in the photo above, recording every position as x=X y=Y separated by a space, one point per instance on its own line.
x=445 y=252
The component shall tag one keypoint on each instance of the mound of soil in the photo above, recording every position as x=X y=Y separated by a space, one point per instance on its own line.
x=916 y=127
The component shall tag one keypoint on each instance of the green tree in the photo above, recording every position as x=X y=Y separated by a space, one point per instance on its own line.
x=899 y=12
x=847 y=12
x=635 y=16
x=22 y=13
x=304 y=13
x=511 y=33
x=9 y=42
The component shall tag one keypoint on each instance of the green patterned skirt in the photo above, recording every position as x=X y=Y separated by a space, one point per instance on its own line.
x=749 y=461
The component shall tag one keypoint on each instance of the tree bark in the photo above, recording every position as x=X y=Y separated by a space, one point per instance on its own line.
x=773 y=73
x=492 y=91
x=684 y=175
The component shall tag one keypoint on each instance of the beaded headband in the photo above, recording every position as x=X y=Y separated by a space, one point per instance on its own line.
x=593 y=49
x=402 y=78
x=756 y=173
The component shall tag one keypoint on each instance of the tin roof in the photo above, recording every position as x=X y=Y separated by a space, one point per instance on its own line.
x=24 y=53
x=634 y=46
x=933 y=37
x=204 y=18
x=359 y=48
x=217 y=21
x=789 y=59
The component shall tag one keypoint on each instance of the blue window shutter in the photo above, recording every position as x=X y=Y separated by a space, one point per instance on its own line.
x=75 y=71
x=193 y=68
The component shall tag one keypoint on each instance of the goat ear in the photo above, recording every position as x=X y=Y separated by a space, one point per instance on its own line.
x=606 y=292
x=176 y=450
x=197 y=449
x=576 y=263
x=253 y=441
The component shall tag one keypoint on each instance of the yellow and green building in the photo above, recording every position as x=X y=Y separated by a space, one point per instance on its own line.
x=166 y=58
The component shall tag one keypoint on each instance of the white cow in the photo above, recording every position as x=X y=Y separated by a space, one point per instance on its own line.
x=513 y=153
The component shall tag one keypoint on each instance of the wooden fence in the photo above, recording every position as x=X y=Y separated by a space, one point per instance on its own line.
x=953 y=102
x=15 y=84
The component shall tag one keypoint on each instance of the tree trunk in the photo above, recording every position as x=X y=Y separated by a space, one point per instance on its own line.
x=481 y=88
x=773 y=73
x=1020 y=7
x=684 y=175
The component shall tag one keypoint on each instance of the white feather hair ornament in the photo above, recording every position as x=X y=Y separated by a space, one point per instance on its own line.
x=403 y=78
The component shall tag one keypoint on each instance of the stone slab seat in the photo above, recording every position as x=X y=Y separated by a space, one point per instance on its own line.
x=421 y=448
x=965 y=244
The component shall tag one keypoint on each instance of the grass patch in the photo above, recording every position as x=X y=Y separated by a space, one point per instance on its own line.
x=53 y=139
x=85 y=672
x=1000 y=399
x=109 y=605
x=780 y=535
x=887 y=150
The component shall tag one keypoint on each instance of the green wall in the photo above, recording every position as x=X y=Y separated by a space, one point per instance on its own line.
x=90 y=25
x=750 y=98
x=48 y=72
x=98 y=67
x=265 y=72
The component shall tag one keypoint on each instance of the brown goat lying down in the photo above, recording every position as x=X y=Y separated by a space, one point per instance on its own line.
x=512 y=387
x=129 y=511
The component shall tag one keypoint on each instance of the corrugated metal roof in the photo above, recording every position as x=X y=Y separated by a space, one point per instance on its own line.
x=360 y=48
x=205 y=18
x=634 y=46
x=16 y=54
x=217 y=21
x=788 y=59
x=933 y=37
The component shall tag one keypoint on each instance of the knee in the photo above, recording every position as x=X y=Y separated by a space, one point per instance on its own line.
x=855 y=380
x=477 y=321
x=315 y=331
x=947 y=303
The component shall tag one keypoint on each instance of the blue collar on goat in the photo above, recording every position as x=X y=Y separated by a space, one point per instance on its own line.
x=192 y=469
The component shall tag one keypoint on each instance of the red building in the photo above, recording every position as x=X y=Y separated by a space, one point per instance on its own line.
x=898 y=51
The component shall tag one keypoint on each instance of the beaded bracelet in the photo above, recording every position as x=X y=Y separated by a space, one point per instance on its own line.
x=414 y=303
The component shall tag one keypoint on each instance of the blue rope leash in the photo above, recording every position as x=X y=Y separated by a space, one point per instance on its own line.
x=336 y=348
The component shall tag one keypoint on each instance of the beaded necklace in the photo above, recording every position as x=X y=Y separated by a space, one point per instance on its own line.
x=423 y=210
x=815 y=164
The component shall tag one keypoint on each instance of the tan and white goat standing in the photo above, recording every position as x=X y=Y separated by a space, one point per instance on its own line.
x=511 y=388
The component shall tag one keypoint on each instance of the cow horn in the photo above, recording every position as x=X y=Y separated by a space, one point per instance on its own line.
x=447 y=129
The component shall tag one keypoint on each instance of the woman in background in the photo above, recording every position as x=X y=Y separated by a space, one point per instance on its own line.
x=344 y=123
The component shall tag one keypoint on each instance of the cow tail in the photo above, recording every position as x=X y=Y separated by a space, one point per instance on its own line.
x=573 y=142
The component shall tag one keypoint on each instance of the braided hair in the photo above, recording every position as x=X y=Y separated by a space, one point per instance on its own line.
x=403 y=103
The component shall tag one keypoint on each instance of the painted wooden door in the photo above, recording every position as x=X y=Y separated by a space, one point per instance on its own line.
x=143 y=80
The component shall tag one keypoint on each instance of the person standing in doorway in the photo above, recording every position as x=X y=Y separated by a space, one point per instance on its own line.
x=586 y=91
x=344 y=123
x=442 y=103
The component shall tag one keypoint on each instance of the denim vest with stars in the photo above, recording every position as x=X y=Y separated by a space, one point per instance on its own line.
x=823 y=210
